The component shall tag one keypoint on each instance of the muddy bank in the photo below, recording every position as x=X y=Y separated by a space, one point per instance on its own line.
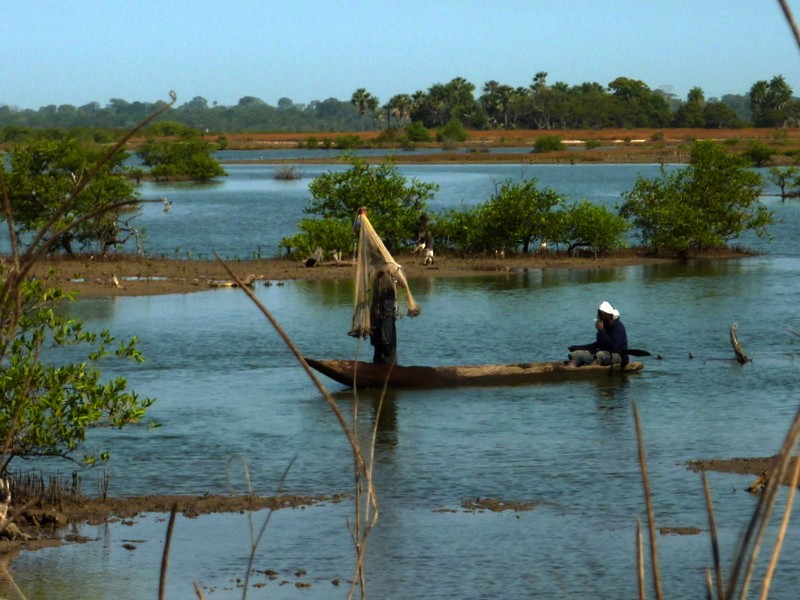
x=41 y=527
x=123 y=275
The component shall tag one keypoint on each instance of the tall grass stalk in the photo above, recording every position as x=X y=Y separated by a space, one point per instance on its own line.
x=640 y=560
x=162 y=580
x=255 y=540
x=712 y=526
x=651 y=521
x=750 y=545
x=776 y=549
x=365 y=516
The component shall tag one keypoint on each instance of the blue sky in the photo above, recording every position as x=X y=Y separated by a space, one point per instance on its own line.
x=80 y=51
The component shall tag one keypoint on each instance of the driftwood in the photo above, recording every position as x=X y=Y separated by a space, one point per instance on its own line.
x=313 y=261
x=249 y=281
x=737 y=347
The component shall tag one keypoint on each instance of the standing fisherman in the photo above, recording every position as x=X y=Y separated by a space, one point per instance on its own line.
x=383 y=315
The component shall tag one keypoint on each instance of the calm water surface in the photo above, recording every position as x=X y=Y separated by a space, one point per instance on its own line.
x=229 y=391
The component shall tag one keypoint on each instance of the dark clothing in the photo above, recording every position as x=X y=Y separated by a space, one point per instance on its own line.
x=613 y=338
x=382 y=317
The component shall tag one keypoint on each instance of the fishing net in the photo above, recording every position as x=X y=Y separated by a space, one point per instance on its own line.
x=371 y=257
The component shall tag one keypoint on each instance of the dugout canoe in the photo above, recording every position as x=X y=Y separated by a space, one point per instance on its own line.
x=370 y=375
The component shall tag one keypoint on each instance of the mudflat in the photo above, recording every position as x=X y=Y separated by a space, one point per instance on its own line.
x=123 y=275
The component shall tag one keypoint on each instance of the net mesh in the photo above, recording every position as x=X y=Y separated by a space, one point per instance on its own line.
x=371 y=257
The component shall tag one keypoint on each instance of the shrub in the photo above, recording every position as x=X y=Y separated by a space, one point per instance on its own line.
x=548 y=143
x=758 y=154
x=453 y=131
x=701 y=207
x=417 y=132
x=347 y=142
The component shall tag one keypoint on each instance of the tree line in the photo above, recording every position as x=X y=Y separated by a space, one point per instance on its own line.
x=623 y=103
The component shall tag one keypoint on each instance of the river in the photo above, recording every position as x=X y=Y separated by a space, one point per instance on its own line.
x=229 y=393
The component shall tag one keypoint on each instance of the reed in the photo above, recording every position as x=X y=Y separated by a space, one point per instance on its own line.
x=749 y=547
x=53 y=490
x=366 y=500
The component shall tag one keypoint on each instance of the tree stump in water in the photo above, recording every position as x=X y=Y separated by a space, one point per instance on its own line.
x=737 y=347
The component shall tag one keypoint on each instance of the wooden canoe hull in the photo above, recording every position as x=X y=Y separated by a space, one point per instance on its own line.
x=369 y=375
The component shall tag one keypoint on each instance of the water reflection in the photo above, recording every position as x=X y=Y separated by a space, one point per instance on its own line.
x=696 y=268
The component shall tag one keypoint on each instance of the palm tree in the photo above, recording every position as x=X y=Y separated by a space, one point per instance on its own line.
x=696 y=96
x=400 y=107
x=758 y=96
x=780 y=92
x=490 y=100
x=374 y=107
x=505 y=94
x=361 y=100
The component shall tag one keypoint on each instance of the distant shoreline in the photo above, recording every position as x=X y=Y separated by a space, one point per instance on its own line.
x=585 y=146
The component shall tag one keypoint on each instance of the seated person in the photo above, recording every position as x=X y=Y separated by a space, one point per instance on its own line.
x=611 y=343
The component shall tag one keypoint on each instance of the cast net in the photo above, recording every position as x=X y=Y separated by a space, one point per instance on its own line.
x=371 y=257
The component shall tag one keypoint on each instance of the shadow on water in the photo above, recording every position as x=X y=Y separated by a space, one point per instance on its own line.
x=613 y=396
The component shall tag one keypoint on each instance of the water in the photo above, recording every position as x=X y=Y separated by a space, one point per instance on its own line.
x=228 y=390
x=247 y=213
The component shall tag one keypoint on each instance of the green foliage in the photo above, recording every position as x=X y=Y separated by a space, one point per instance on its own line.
x=14 y=133
x=592 y=226
x=758 y=153
x=168 y=128
x=772 y=103
x=47 y=409
x=703 y=206
x=417 y=132
x=391 y=135
x=459 y=230
x=452 y=131
x=787 y=179
x=592 y=144
x=188 y=158
x=44 y=174
x=394 y=203
x=548 y=143
x=347 y=142
x=332 y=235
x=516 y=215
x=520 y=213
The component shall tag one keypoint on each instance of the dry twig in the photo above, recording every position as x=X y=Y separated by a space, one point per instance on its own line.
x=362 y=468
x=651 y=521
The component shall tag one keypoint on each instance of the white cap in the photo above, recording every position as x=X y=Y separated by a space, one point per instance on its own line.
x=605 y=307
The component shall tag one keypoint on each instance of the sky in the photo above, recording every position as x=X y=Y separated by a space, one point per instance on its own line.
x=81 y=51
